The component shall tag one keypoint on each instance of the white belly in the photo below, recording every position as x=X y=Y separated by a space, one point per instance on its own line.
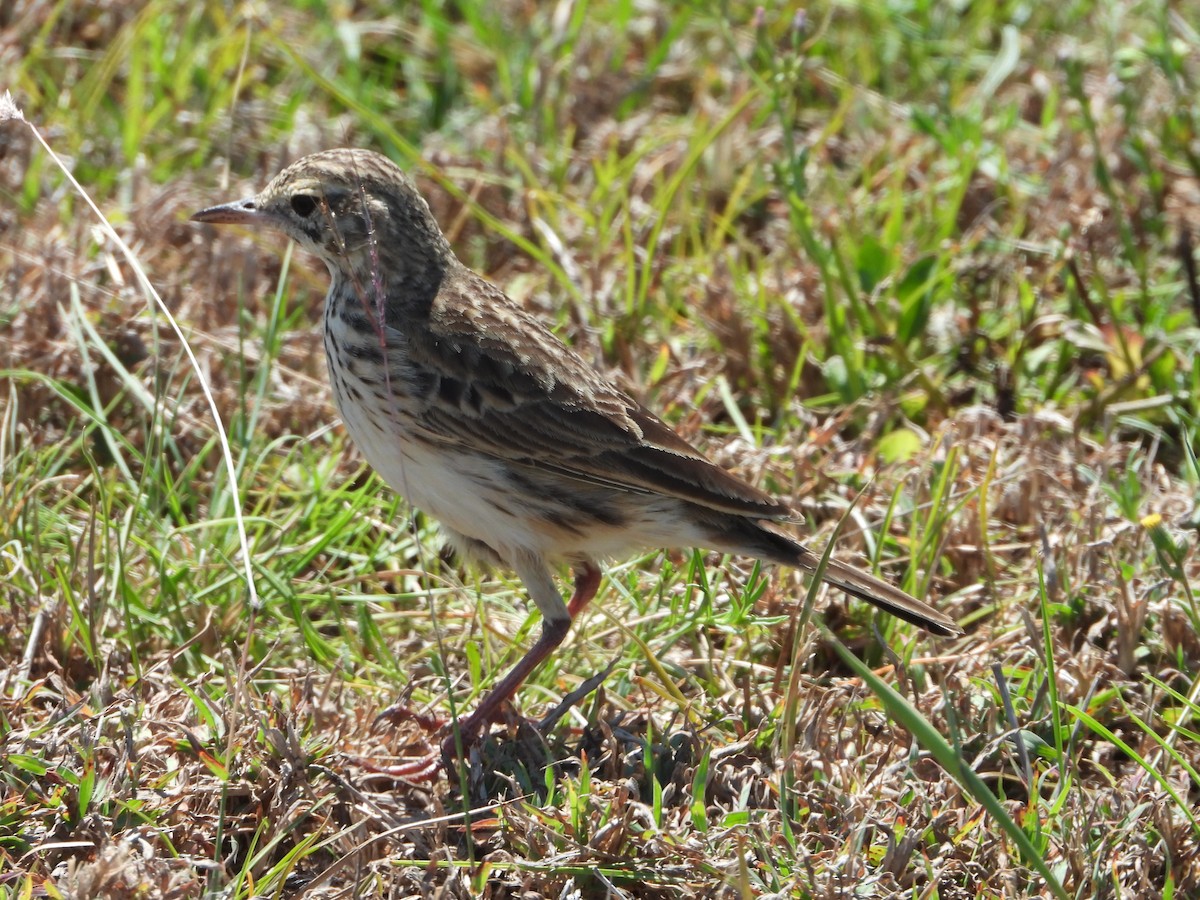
x=473 y=495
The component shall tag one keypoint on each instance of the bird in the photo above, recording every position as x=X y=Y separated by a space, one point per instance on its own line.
x=479 y=416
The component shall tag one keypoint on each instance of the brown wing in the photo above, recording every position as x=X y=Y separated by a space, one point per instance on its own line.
x=506 y=386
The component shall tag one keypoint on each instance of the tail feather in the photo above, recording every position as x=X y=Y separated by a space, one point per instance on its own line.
x=879 y=593
x=754 y=537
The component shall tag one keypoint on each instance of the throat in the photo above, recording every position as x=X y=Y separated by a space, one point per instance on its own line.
x=365 y=358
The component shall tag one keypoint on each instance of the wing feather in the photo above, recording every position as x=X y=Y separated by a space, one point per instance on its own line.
x=507 y=387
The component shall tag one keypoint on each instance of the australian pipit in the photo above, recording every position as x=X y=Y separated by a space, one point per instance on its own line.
x=479 y=416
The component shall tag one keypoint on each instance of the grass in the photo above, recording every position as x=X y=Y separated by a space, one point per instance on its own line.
x=930 y=275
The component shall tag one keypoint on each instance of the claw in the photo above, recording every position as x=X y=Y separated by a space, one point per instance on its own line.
x=420 y=770
x=398 y=713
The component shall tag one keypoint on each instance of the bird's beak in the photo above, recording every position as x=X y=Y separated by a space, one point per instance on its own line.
x=240 y=212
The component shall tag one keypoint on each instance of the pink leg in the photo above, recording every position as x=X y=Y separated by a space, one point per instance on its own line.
x=554 y=631
x=587 y=582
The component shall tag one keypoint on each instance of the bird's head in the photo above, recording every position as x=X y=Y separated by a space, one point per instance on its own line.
x=347 y=206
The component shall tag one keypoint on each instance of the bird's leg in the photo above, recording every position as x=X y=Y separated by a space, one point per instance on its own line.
x=587 y=582
x=557 y=623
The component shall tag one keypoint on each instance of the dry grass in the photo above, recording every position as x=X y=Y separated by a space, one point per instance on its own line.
x=884 y=258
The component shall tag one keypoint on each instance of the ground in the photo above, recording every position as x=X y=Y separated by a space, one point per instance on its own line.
x=927 y=271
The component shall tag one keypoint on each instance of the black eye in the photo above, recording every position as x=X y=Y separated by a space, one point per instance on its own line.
x=304 y=205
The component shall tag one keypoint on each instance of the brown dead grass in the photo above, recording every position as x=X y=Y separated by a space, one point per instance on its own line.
x=868 y=797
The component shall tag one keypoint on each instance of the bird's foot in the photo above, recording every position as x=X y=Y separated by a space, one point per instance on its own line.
x=399 y=713
x=419 y=770
x=464 y=733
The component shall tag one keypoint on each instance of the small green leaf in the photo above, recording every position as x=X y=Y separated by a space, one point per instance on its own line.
x=915 y=293
x=28 y=763
x=699 y=810
x=899 y=446
x=1036 y=745
x=872 y=262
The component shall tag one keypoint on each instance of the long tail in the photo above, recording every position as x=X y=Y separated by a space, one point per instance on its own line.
x=886 y=596
x=756 y=537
